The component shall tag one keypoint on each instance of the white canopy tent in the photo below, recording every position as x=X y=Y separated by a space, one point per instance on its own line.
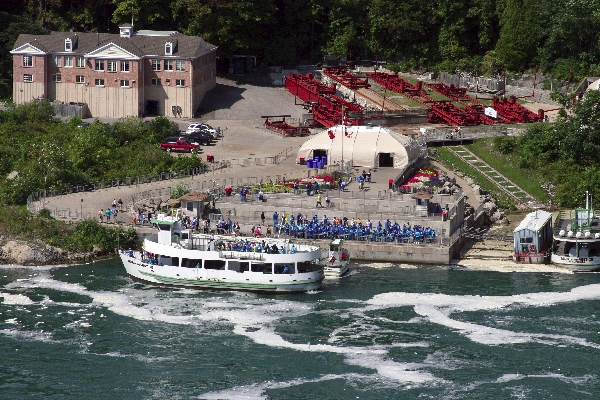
x=365 y=146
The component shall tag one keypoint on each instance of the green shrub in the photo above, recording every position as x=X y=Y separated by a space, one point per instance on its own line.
x=505 y=144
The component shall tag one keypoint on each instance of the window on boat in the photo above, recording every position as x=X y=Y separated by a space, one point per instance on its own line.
x=284 y=268
x=191 y=263
x=238 y=266
x=526 y=240
x=214 y=264
x=261 y=267
x=308 y=266
x=162 y=260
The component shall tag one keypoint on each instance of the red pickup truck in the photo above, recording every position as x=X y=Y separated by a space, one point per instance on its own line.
x=178 y=144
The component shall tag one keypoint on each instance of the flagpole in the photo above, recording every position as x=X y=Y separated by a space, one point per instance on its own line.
x=343 y=134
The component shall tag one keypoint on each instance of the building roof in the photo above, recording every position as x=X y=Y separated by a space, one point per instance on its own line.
x=194 y=196
x=422 y=195
x=141 y=45
x=534 y=221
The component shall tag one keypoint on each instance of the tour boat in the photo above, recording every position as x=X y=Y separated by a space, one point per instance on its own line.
x=577 y=240
x=178 y=257
x=339 y=259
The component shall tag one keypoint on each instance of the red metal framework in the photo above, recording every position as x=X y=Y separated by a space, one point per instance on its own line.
x=283 y=127
x=327 y=107
x=460 y=96
x=514 y=112
x=439 y=111
x=346 y=78
x=307 y=88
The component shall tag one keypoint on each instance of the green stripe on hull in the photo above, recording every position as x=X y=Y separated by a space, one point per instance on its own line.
x=232 y=285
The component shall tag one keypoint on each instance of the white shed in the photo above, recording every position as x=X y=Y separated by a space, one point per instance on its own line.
x=534 y=233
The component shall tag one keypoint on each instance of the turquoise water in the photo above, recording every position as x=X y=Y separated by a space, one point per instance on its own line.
x=383 y=332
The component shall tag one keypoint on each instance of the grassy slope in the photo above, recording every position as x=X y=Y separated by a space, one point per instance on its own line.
x=452 y=162
x=508 y=165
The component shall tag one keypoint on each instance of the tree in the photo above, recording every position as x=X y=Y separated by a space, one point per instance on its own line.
x=519 y=33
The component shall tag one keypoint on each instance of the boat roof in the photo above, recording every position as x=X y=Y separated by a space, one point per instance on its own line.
x=534 y=221
x=162 y=221
x=337 y=242
x=166 y=219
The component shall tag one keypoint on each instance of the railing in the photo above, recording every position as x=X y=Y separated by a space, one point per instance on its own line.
x=163 y=176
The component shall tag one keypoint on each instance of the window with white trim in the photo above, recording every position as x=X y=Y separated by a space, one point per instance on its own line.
x=124 y=66
x=56 y=78
x=180 y=65
x=111 y=66
x=124 y=83
x=168 y=49
x=27 y=61
x=69 y=61
x=155 y=81
x=56 y=61
x=27 y=78
x=179 y=82
x=99 y=82
x=68 y=45
x=80 y=62
x=168 y=65
x=155 y=65
x=99 y=65
x=79 y=79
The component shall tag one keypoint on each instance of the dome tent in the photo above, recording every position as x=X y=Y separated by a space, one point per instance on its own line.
x=365 y=146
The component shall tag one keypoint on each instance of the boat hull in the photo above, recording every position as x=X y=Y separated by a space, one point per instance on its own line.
x=337 y=270
x=523 y=258
x=199 y=278
x=583 y=264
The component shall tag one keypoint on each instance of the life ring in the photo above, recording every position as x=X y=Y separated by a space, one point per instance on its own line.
x=532 y=248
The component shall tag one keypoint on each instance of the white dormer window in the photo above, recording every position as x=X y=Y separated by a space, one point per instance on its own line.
x=68 y=45
x=168 y=49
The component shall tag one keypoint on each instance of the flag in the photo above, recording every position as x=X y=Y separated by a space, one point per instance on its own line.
x=331 y=135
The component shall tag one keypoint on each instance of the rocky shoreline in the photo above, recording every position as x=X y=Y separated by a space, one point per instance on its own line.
x=20 y=252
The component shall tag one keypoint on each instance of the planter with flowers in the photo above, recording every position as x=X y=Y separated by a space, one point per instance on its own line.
x=424 y=180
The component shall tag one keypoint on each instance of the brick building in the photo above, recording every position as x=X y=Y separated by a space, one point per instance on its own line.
x=129 y=74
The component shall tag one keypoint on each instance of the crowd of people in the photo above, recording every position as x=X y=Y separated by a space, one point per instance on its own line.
x=111 y=212
x=350 y=229
x=252 y=246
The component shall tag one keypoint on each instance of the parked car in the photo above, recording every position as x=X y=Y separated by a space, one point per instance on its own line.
x=177 y=144
x=201 y=137
x=198 y=127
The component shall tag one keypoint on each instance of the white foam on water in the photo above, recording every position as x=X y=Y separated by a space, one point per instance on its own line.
x=371 y=357
x=138 y=357
x=254 y=317
x=404 y=373
x=257 y=391
x=509 y=266
x=438 y=308
x=382 y=265
x=578 y=380
x=15 y=299
x=36 y=335
x=32 y=267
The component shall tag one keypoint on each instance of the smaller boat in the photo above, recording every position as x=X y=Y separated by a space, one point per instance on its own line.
x=339 y=259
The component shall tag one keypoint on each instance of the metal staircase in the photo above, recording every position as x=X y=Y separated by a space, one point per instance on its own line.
x=503 y=183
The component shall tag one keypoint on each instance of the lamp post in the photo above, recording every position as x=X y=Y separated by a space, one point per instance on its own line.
x=81 y=209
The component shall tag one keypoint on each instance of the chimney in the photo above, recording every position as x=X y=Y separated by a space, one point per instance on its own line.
x=126 y=30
